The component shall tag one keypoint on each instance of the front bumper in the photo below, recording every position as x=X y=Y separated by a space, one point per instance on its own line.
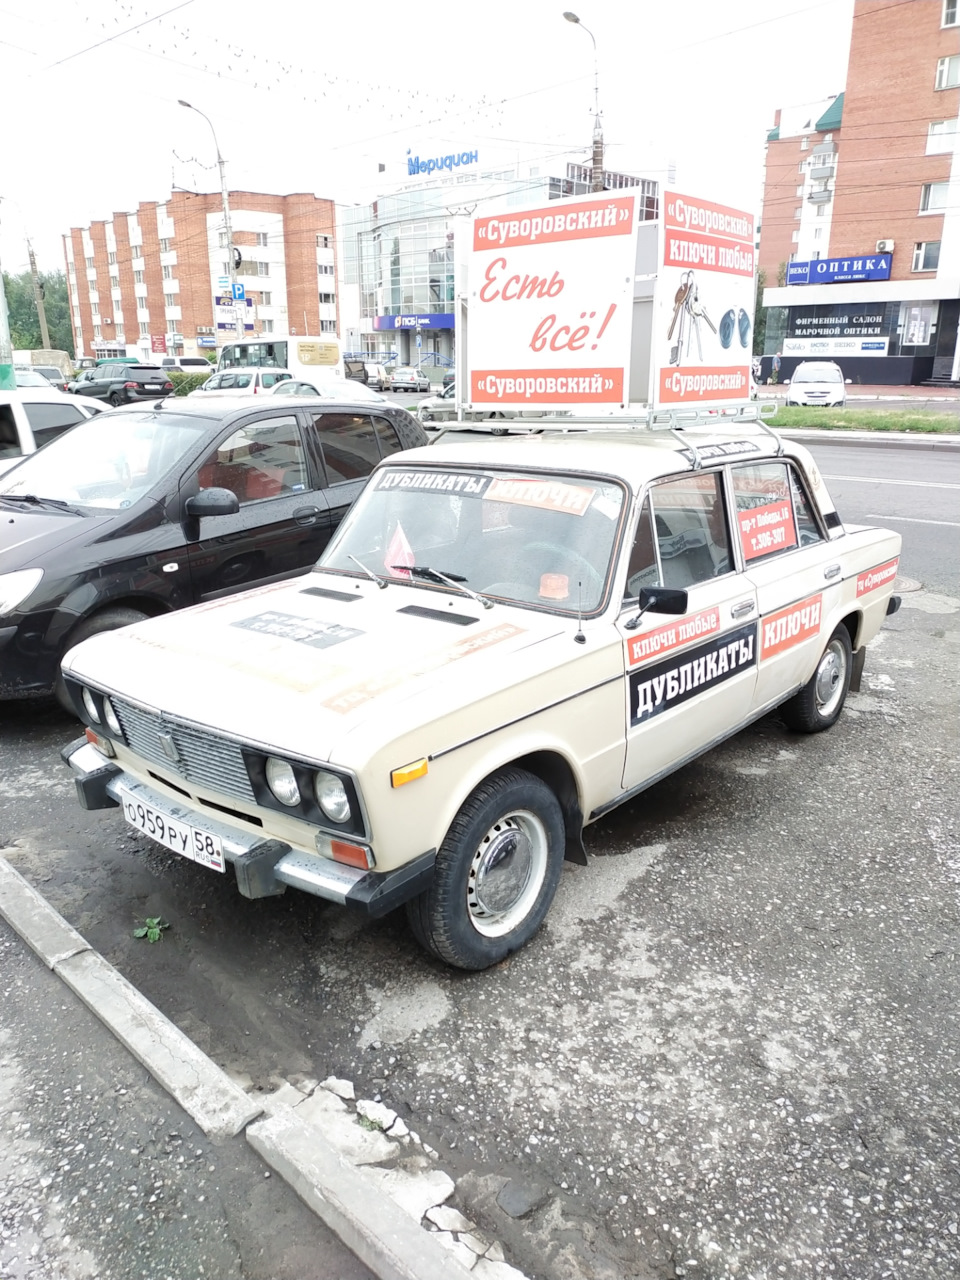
x=263 y=867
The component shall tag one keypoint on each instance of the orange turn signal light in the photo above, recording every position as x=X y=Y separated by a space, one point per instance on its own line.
x=354 y=855
x=408 y=772
x=103 y=745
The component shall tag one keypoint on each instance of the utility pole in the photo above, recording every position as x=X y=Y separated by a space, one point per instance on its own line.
x=8 y=379
x=597 y=156
x=38 y=298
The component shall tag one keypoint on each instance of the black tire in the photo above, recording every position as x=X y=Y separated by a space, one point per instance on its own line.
x=818 y=704
x=475 y=914
x=116 y=399
x=106 y=620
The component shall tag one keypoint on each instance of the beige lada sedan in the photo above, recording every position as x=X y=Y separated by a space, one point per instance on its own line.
x=504 y=640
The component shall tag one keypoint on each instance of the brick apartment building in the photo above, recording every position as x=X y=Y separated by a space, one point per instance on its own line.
x=860 y=230
x=148 y=282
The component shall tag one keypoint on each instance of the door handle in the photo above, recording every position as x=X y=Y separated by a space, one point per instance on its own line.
x=306 y=515
x=831 y=571
x=742 y=609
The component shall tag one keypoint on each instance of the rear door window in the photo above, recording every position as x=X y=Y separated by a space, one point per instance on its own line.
x=387 y=436
x=348 y=444
x=47 y=421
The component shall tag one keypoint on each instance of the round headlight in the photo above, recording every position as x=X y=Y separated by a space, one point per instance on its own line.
x=332 y=796
x=90 y=706
x=113 y=724
x=282 y=782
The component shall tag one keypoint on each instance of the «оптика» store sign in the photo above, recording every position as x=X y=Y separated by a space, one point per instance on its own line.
x=869 y=266
x=551 y=296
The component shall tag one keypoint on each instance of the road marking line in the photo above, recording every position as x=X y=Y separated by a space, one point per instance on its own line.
x=948 y=524
x=915 y=484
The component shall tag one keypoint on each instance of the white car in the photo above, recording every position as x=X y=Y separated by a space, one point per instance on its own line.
x=408 y=379
x=242 y=382
x=503 y=641
x=817 y=382
x=31 y=416
x=347 y=389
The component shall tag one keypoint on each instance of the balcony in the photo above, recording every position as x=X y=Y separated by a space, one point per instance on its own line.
x=824 y=169
x=820 y=197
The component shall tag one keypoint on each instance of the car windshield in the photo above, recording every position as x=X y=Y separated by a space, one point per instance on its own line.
x=107 y=462
x=817 y=373
x=540 y=540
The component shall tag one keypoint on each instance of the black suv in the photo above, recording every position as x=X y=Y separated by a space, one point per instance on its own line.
x=137 y=512
x=124 y=383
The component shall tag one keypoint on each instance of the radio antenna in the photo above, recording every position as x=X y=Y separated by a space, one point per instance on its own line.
x=580 y=637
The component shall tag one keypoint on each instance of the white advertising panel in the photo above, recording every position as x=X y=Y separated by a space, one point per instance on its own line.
x=703 y=312
x=551 y=299
x=835 y=346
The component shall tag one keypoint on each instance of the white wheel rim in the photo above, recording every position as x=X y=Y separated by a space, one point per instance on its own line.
x=831 y=675
x=507 y=873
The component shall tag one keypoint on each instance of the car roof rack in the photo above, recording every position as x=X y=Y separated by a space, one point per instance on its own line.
x=669 y=421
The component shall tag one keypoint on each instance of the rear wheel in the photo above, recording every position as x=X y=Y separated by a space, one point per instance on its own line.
x=107 y=620
x=116 y=399
x=496 y=873
x=818 y=704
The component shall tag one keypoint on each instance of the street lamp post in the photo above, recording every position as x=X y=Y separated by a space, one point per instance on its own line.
x=597 y=184
x=225 y=201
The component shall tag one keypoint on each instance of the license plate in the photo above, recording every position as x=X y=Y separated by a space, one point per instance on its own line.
x=190 y=842
x=152 y=386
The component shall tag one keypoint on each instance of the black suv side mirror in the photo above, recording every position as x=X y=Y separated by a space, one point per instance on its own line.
x=212 y=502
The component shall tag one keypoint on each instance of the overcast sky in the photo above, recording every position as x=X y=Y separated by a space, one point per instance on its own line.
x=314 y=96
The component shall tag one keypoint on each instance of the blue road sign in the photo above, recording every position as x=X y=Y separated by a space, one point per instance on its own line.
x=238 y=293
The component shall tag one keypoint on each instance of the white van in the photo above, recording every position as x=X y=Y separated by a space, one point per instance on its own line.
x=241 y=382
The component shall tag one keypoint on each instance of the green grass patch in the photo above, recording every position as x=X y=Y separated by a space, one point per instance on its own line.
x=818 y=418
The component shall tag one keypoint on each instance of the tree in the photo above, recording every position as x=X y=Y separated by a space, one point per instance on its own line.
x=759 y=315
x=22 y=309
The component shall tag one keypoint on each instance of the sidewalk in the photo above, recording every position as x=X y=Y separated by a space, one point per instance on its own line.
x=879 y=392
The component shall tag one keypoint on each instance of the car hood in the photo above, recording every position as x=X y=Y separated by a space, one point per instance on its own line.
x=27 y=534
x=326 y=667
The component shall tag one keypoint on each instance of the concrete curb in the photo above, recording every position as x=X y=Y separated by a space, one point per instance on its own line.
x=879 y=439
x=341 y=1195
x=207 y=1094
x=376 y=1211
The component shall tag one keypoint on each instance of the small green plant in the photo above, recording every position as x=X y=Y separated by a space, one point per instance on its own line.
x=151 y=929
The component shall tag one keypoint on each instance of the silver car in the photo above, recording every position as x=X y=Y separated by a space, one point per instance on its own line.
x=408 y=379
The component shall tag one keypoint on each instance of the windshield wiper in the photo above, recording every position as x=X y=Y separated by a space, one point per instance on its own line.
x=34 y=501
x=454 y=580
x=381 y=583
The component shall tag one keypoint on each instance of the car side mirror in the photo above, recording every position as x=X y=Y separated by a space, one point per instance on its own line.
x=658 y=600
x=848 y=381
x=211 y=502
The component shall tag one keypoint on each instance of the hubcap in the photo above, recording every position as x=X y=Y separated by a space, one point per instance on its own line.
x=831 y=674
x=506 y=873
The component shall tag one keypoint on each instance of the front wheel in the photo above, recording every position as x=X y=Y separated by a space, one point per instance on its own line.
x=818 y=704
x=106 y=620
x=496 y=873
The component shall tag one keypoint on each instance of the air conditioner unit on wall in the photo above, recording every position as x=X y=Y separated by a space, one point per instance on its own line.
x=884 y=246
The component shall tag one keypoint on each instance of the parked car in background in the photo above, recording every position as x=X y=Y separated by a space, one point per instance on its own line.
x=158 y=506
x=27 y=376
x=189 y=364
x=378 y=377
x=31 y=417
x=408 y=379
x=52 y=375
x=241 y=382
x=123 y=383
x=501 y=643
x=816 y=382
x=449 y=378
x=332 y=389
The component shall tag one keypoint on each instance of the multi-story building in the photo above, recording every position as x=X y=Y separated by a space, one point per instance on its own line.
x=158 y=280
x=860 y=232
x=398 y=254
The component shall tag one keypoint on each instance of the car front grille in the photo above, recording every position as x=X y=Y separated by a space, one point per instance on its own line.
x=185 y=751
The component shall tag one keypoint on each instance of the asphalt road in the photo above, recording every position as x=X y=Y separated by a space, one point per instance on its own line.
x=733 y=1048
